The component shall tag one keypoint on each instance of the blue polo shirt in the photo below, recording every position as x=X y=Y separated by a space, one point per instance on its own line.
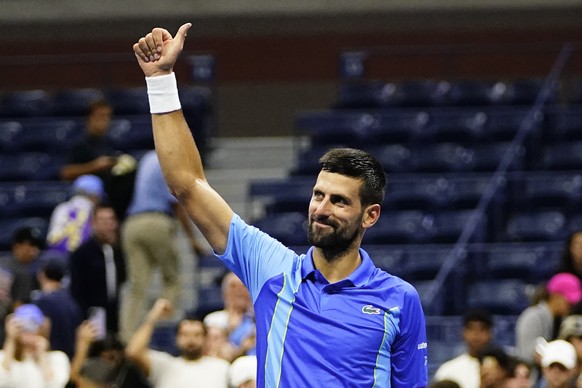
x=367 y=330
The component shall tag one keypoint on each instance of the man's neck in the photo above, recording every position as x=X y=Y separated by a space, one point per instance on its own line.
x=337 y=267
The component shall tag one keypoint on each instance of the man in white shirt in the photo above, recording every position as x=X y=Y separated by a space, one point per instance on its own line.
x=465 y=369
x=191 y=368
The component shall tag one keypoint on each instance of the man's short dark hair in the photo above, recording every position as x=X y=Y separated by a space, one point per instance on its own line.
x=29 y=235
x=506 y=362
x=478 y=315
x=360 y=165
x=53 y=270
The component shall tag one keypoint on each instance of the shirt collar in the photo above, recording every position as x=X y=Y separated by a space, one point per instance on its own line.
x=358 y=278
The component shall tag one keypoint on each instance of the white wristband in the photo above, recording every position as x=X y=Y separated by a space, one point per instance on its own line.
x=163 y=93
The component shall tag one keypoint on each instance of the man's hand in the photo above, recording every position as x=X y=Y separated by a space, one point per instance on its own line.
x=13 y=327
x=161 y=309
x=158 y=51
x=86 y=333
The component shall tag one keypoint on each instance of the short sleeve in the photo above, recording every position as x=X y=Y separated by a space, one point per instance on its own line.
x=410 y=349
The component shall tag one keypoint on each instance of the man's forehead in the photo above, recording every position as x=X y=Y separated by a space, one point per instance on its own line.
x=333 y=180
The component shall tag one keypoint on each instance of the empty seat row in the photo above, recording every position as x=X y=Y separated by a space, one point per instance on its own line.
x=414 y=126
x=31 y=199
x=424 y=126
x=75 y=102
x=56 y=135
x=362 y=94
x=455 y=157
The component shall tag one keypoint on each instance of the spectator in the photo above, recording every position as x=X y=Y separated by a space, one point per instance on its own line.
x=98 y=269
x=26 y=360
x=70 y=223
x=571 y=331
x=496 y=367
x=95 y=154
x=465 y=369
x=237 y=319
x=522 y=375
x=572 y=256
x=558 y=361
x=243 y=372
x=148 y=241
x=103 y=361
x=27 y=244
x=563 y=291
x=166 y=371
x=58 y=305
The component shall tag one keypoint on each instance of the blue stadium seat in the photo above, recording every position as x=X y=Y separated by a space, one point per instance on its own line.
x=398 y=227
x=38 y=199
x=288 y=228
x=48 y=135
x=9 y=134
x=164 y=338
x=7 y=198
x=131 y=133
x=536 y=226
x=462 y=126
x=565 y=125
x=503 y=297
x=440 y=157
x=504 y=329
x=562 y=156
x=424 y=262
x=329 y=127
x=27 y=103
x=530 y=263
x=525 y=91
x=74 y=102
x=129 y=101
x=287 y=195
x=417 y=192
x=487 y=157
x=209 y=300
x=395 y=158
x=464 y=191
x=554 y=191
x=472 y=92
x=448 y=224
x=361 y=128
x=432 y=305
x=307 y=161
x=503 y=124
x=387 y=257
x=363 y=95
x=29 y=166
x=420 y=93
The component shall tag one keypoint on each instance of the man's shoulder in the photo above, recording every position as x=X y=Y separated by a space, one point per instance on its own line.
x=214 y=362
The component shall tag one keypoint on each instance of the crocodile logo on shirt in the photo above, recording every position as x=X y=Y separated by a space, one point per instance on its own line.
x=369 y=309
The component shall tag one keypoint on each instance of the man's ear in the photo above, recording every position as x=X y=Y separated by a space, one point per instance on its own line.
x=371 y=216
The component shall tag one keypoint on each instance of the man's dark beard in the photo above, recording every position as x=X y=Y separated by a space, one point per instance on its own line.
x=191 y=354
x=334 y=243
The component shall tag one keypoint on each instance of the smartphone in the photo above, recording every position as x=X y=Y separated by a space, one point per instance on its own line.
x=97 y=317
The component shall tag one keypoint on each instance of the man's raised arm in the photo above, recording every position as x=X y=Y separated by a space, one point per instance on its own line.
x=180 y=160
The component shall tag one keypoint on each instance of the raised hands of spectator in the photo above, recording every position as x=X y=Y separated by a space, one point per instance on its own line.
x=13 y=327
x=157 y=51
x=86 y=333
x=161 y=309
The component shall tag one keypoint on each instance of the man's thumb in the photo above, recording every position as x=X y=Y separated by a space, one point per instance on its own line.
x=182 y=32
